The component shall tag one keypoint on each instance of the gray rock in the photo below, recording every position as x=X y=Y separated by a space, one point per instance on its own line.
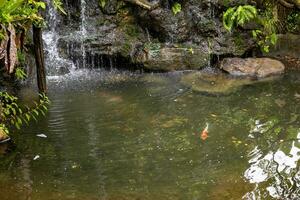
x=164 y=25
x=121 y=29
x=110 y=7
x=255 y=67
x=174 y=58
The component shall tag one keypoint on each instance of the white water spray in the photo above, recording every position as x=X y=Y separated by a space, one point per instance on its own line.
x=54 y=62
x=83 y=31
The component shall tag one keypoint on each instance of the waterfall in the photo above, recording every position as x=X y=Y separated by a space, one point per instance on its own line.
x=83 y=31
x=54 y=62
x=209 y=40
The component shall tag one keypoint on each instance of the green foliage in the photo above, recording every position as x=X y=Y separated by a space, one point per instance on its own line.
x=2 y=33
x=21 y=57
x=264 y=40
x=238 y=15
x=20 y=12
x=13 y=115
x=265 y=35
x=58 y=5
x=20 y=73
x=152 y=48
x=293 y=21
x=102 y=3
x=190 y=50
x=176 y=8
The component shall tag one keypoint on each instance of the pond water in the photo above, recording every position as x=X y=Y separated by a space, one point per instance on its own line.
x=124 y=136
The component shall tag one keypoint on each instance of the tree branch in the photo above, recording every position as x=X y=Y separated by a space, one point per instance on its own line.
x=286 y=4
x=143 y=3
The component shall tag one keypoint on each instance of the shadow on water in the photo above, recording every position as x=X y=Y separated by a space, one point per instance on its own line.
x=118 y=135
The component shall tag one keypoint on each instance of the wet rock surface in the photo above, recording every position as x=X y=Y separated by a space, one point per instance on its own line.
x=254 y=67
x=174 y=58
x=122 y=30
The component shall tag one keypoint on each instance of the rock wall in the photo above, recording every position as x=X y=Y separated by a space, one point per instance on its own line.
x=124 y=34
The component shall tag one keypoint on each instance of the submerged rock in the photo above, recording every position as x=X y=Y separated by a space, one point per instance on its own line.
x=213 y=83
x=254 y=67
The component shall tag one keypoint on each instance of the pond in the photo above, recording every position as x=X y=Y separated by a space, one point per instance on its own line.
x=124 y=136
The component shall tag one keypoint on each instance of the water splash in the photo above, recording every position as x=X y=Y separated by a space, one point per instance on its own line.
x=54 y=62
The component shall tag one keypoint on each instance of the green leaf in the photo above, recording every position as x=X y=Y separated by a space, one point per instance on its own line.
x=176 y=8
x=274 y=38
x=17 y=126
x=102 y=3
x=238 y=16
x=36 y=112
x=266 y=48
x=45 y=108
x=58 y=5
x=19 y=120
x=43 y=113
x=27 y=117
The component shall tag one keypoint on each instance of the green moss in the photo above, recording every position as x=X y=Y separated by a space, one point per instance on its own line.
x=132 y=30
x=126 y=48
x=101 y=21
x=239 y=44
x=293 y=21
x=238 y=41
x=153 y=48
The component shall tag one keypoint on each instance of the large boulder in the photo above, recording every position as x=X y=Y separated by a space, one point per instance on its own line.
x=254 y=67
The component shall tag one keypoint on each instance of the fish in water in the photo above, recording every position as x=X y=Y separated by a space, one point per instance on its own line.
x=204 y=133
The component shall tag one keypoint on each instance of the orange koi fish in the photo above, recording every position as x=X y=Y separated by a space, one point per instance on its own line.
x=204 y=133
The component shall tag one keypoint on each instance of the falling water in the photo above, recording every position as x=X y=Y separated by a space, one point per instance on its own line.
x=209 y=40
x=54 y=62
x=210 y=52
x=83 y=31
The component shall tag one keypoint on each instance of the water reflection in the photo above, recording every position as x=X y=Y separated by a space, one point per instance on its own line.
x=276 y=173
x=121 y=137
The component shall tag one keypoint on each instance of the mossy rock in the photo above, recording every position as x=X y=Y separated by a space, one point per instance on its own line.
x=165 y=58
